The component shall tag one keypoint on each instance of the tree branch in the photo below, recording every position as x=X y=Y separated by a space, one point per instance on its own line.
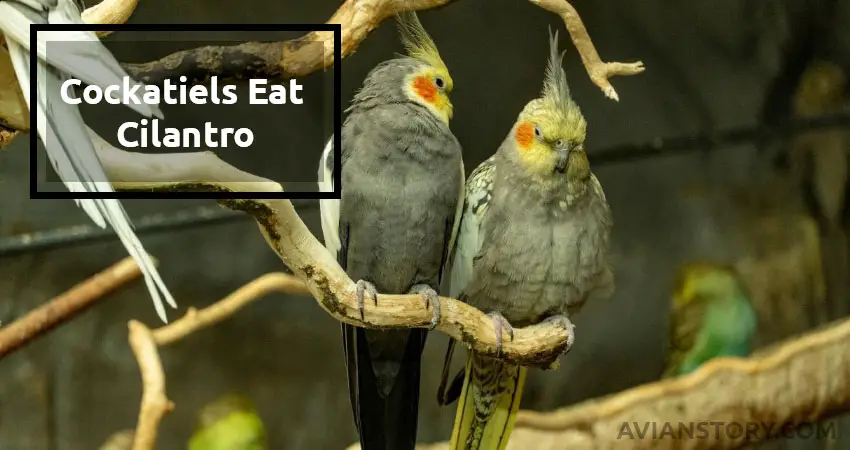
x=287 y=59
x=155 y=404
x=295 y=58
x=598 y=70
x=798 y=381
x=538 y=345
x=66 y=306
x=145 y=342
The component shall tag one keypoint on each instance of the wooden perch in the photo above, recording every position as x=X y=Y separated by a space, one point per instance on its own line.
x=797 y=382
x=297 y=57
x=66 y=306
x=538 y=345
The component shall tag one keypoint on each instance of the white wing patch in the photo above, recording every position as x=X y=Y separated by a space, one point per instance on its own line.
x=479 y=189
x=329 y=209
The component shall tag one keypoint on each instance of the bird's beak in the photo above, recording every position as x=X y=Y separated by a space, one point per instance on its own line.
x=563 y=160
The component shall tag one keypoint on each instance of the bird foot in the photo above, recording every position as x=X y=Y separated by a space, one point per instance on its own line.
x=364 y=286
x=501 y=324
x=430 y=297
x=564 y=321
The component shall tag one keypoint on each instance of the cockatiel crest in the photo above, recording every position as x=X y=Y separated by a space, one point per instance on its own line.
x=431 y=84
x=550 y=131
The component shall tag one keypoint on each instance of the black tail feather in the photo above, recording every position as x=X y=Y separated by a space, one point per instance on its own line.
x=384 y=422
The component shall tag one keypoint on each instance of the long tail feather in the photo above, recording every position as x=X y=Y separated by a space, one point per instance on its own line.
x=488 y=404
x=80 y=167
x=385 y=420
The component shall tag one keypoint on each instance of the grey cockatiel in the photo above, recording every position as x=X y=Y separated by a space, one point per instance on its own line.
x=402 y=182
x=531 y=247
x=60 y=125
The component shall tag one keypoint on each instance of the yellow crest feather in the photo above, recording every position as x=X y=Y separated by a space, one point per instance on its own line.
x=417 y=41
x=556 y=96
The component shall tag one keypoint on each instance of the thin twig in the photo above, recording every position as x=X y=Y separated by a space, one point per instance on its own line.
x=155 y=404
x=195 y=320
x=598 y=70
x=145 y=342
x=314 y=51
x=66 y=306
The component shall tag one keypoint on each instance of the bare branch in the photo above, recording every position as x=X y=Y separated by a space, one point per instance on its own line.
x=598 y=70
x=155 y=404
x=110 y=12
x=66 y=306
x=195 y=320
x=358 y=18
x=538 y=345
x=287 y=59
x=144 y=342
x=799 y=381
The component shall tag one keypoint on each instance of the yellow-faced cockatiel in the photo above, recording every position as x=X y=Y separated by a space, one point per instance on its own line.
x=532 y=246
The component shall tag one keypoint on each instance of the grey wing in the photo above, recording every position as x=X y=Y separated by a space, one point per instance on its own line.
x=479 y=189
x=329 y=209
x=457 y=220
x=90 y=62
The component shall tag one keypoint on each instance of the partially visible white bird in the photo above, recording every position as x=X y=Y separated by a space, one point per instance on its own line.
x=60 y=125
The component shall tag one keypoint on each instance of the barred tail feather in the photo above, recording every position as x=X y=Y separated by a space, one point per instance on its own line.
x=488 y=404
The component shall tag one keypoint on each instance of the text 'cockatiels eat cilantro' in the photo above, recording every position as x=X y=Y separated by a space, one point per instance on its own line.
x=149 y=133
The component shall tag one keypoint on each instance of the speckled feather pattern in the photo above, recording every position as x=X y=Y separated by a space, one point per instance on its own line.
x=541 y=250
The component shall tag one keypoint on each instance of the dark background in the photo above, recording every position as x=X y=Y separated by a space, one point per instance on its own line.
x=710 y=65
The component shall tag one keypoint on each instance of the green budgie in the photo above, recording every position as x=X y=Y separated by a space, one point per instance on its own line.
x=229 y=423
x=712 y=317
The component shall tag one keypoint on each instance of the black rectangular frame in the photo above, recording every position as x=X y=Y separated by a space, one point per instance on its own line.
x=335 y=194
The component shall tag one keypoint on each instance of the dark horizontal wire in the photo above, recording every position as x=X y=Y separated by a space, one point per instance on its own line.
x=150 y=224
x=709 y=140
x=198 y=217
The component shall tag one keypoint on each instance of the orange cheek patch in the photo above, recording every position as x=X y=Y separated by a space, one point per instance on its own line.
x=425 y=88
x=524 y=134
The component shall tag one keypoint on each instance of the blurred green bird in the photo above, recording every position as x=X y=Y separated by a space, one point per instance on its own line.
x=229 y=423
x=712 y=317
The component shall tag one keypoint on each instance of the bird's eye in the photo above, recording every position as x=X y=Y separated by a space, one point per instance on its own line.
x=537 y=132
x=559 y=143
x=439 y=82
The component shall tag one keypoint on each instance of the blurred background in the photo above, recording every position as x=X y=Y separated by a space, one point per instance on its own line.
x=688 y=159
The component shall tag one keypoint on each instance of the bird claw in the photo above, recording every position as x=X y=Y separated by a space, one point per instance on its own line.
x=565 y=322
x=430 y=297
x=362 y=287
x=500 y=324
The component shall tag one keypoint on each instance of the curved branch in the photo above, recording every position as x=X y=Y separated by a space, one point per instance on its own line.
x=599 y=70
x=110 y=12
x=538 y=345
x=195 y=320
x=797 y=382
x=155 y=404
x=287 y=59
x=67 y=305
x=295 y=58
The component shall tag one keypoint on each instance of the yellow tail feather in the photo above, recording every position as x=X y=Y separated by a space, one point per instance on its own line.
x=505 y=382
